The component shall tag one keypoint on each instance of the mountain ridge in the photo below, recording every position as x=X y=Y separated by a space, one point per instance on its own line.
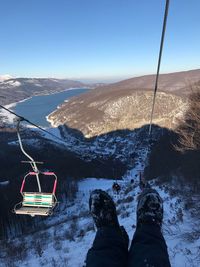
x=17 y=89
x=170 y=82
x=127 y=104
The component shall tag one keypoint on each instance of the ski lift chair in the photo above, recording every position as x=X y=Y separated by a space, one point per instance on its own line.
x=37 y=203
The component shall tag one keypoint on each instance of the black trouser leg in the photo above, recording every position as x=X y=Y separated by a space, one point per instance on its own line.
x=109 y=249
x=148 y=248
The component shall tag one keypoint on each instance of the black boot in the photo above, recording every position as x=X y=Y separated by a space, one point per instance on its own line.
x=149 y=208
x=104 y=214
x=103 y=209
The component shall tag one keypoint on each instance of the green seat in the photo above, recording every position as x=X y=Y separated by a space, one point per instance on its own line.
x=36 y=204
x=38 y=199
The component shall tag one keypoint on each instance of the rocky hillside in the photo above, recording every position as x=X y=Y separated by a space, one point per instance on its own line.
x=127 y=104
x=102 y=112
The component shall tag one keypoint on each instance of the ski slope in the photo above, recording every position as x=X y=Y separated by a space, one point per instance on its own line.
x=70 y=233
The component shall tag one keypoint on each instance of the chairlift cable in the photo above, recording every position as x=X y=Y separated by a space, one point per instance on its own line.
x=143 y=182
x=42 y=129
x=159 y=62
x=33 y=124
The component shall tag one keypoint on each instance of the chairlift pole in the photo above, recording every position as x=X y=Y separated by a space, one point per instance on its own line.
x=32 y=162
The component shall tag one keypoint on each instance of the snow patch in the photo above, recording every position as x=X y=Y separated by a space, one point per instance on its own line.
x=12 y=83
x=5 y=77
x=6 y=116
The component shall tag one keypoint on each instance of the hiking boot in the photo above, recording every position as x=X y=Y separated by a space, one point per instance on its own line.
x=103 y=209
x=149 y=208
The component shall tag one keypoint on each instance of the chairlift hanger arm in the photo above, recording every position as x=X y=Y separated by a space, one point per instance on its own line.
x=32 y=162
x=21 y=145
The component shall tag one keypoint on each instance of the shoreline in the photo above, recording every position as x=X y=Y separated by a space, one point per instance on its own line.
x=44 y=94
x=54 y=125
x=5 y=115
x=9 y=118
x=57 y=92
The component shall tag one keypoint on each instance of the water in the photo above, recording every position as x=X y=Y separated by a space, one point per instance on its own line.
x=37 y=108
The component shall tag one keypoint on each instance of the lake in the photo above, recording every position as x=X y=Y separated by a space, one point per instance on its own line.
x=37 y=108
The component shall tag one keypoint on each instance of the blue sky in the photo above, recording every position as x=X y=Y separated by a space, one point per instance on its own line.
x=96 y=39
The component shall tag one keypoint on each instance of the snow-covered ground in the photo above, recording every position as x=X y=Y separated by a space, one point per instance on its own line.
x=70 y=231
x=5 y=115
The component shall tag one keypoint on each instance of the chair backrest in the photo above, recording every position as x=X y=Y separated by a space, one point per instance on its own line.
x=38 y=199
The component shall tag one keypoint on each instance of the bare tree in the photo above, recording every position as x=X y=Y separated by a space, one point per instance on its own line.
x=189 y=128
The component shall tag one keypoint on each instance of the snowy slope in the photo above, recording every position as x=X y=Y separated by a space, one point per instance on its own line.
x=70 y=232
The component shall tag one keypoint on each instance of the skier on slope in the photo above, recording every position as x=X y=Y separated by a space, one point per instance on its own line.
x=116 y=187
x=110 y=247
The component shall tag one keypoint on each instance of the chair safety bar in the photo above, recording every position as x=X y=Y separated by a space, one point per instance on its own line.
x=45 y=173
x=48 y=173
x=32 y=173
x=54 y=187
x=22 y=187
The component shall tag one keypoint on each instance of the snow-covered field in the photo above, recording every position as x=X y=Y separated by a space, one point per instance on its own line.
x=70 y=231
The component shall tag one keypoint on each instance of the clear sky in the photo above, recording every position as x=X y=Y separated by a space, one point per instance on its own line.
x=96 y=38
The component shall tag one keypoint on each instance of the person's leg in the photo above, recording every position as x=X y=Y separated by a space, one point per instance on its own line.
x=110 y=247
x=148 y=247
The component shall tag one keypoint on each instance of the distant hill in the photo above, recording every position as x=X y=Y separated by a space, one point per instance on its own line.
x=5 y=77
x=127 y=104
x=177 y=83
x=16 y=89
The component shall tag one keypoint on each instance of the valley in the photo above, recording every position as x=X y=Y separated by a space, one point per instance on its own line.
x=103 y=139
